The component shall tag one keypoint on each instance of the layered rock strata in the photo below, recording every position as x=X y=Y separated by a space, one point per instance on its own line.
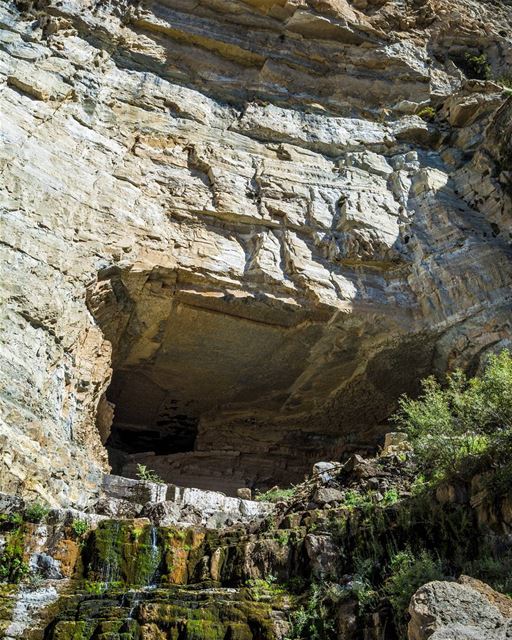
x=229 y=242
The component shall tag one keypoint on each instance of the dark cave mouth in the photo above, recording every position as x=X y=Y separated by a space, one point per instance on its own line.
x=222 y=392
x=147 y=419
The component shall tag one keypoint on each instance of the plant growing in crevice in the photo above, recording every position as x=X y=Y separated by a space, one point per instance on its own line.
x=79 y=527
x=13 y=567
x=148 y=475
x=36 y=512
x=427 y=113
x=267 y=587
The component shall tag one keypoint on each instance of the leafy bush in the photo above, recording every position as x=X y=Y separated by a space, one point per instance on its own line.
x=13 y=567
x=36 y=512
x=314 y=621
x=79 y=527
x=505 y=81
x=143 y=473
x=391 y=497
x=492 y=566
x=95 y=588
x=458 y=428
x=409 y=573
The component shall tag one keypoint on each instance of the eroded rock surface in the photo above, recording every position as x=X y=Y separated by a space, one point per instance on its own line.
x=449 y=610
x=233 y=213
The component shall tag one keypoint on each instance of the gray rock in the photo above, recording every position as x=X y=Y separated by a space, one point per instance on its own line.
x=10 y=503
x=137 y=491
x=118 y=507
x=463 y=632
x=46 y=566
x=163 y=514
x=442 y=609
x=324 y=495
x=323 y=555
x=326 y=471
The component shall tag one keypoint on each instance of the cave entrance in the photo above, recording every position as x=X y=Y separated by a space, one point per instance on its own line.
x=221 y=390
x=147 y=418
x=206 y=386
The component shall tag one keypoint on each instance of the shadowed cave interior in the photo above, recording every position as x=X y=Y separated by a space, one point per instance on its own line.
x=220 y=392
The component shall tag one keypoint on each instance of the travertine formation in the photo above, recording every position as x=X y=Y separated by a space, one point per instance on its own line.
x=233 y=233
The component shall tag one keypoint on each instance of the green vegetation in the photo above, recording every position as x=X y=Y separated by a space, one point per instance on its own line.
x=79 y=527
x=407 y=573
x=36 y=512
x=505 y=81
x=314 y=620
x=262 y=588
x=95 y=588
x=477 y=66
x=427 y=113
x=391 y=497
x=143 y=473
x=13 y=567
x=464 y=427
x=276 y=495
x=15 y=519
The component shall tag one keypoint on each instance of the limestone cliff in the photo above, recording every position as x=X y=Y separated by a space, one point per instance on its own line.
x=233 y=233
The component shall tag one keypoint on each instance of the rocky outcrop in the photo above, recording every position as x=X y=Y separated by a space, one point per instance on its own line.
x=169 y=505
x=453 y=611
x=226 y=227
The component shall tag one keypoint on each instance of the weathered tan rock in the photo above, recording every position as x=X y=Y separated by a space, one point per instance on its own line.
x=226 y=220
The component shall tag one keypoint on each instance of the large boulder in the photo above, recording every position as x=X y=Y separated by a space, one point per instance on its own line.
x=462 y=610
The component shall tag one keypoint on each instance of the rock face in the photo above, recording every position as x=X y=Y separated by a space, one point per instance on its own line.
x=452 y=611
x=229 y=242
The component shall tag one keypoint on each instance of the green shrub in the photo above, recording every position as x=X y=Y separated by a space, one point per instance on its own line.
x=493 y=568
x=13 y=568
x=80 y=527
x=143 y=473
x=95 y=588
x=15 y=519
x=457 y=428
x=505 y=81
x=407 y=574
x=391 y=497
x=314 y=620
x=356 y=500
x=36 y=512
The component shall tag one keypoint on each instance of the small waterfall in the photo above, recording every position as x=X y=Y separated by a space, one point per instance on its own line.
x=155 y=554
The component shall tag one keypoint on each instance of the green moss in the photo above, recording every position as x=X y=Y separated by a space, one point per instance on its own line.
x=119 y=552
x=427 y=113
x=73 y=630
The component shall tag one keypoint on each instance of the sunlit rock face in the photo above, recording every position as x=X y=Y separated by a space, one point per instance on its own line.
x=229 y=240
